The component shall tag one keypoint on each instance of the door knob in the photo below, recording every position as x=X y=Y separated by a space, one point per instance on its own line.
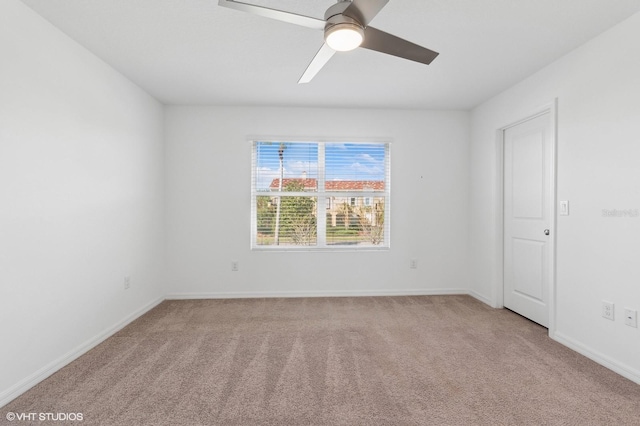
x=546 y=232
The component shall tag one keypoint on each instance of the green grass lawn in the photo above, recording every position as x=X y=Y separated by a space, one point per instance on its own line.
x=341 y=237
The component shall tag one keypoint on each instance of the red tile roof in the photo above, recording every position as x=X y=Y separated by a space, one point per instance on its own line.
x=332 y=185
x=308 y=183
x=354 y=185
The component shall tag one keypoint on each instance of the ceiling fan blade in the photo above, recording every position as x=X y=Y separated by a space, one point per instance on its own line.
x=292 y=18
x=380 y=41
x=364 y=11
x=322 y=57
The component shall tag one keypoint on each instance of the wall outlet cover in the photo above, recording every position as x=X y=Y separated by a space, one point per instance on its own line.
x=608 y=310
x=631 y=317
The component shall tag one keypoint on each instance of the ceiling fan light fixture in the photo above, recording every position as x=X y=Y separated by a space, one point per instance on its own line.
x=344 y=36
x=344 y=24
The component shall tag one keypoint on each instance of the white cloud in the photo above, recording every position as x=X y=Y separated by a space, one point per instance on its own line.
x=360 y=168
x=264 y=177
x=296 y=168
x=367 y=157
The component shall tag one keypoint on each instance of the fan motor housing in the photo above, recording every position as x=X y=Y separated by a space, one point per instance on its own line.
x=336 y=9
x=336 y=19
x=342 y=20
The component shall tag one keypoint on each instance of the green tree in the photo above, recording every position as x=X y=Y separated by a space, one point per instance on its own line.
x=371 y=221
x=345 y=210
x=266 y=214
x=297 y=216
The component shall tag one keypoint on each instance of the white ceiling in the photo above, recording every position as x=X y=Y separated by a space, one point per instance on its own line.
x=195 y=52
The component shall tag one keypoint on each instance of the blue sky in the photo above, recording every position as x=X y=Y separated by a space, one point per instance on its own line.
x=343 y=161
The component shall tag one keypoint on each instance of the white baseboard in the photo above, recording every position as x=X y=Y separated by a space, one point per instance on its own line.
x=480 y=297
x=611 y=364
x=24 y=385
x=334 y=293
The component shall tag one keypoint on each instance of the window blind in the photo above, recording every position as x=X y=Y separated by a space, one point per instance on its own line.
x=320 y=195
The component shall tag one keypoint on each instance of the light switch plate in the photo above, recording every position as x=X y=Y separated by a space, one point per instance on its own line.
x=564 y=208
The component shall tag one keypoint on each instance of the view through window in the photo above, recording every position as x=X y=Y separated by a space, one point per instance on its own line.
x=320 y=195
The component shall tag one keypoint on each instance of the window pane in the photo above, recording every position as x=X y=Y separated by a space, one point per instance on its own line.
x=293 y=224
x=358 y=224
x=355 y=167
x=297 y=163
x=351 y=189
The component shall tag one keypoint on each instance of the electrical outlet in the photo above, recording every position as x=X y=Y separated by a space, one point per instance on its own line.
x=413 y=264
x=631 y=317
x=608 y=310
x=127 y=282
x=234 y=265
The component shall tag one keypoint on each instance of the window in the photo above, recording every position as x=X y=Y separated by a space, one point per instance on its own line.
x=295 y=183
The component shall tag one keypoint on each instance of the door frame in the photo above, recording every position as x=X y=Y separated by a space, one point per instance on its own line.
x=498 y=290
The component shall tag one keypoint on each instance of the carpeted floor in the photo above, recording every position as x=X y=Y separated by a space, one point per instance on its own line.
x=432 y=360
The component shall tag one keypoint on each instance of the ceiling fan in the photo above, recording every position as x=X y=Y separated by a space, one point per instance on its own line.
x=346 y=27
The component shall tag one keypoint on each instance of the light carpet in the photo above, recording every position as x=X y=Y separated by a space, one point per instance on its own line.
x=423 y=360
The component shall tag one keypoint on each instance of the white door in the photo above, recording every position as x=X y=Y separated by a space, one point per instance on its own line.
x=528 y=251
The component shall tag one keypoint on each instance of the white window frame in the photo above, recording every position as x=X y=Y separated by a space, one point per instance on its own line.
x=321 y=194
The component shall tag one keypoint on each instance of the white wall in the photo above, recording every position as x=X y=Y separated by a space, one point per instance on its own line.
x=81 y=199
x=208 y=200
x=82 y=181
x=598 y=92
